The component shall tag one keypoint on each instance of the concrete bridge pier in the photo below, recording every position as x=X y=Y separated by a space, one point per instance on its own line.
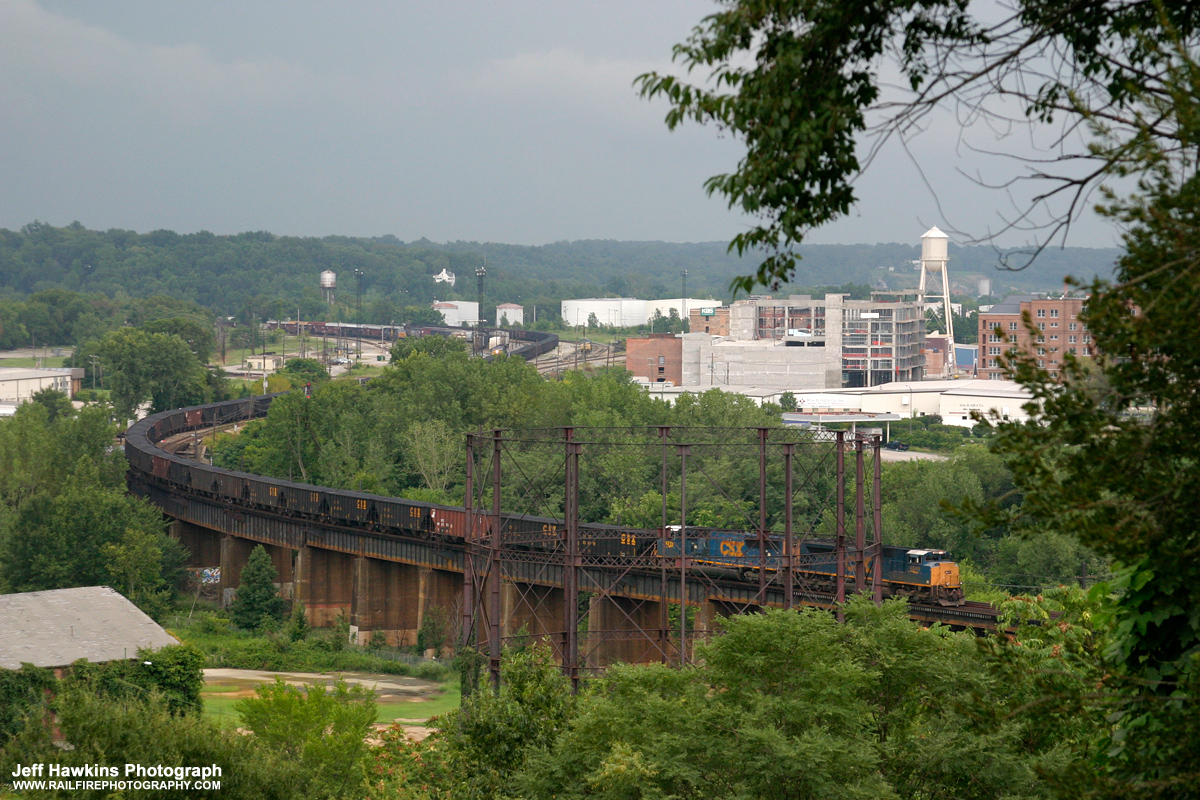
x=535 y=612
x=621 y=629
x=203 y=545
x=439 y=606
x=324 y=581
x=235 y=552
x=386 y=602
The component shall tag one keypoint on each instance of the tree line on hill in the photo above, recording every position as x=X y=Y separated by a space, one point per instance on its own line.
x=277 y=276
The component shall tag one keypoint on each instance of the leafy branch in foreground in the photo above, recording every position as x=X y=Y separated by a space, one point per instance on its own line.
x=800 y=83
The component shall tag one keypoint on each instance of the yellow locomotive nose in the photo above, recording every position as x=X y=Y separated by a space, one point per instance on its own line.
x=945 y=574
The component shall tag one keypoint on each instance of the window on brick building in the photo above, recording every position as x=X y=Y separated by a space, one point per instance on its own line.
x=1041 y=339
x=993 y=338
x=1012 y=326
x=1042 y=326
x=1074 y=326
x=1072 y=339
x=1041 y=312
x=1054 y=313
x=1041 y=351
x=1053 y=337
x=993 y=351
x=1041 y=363
x=1087 y=351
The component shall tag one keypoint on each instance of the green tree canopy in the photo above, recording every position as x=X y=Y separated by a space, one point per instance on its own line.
x=256 y=599
x=155 y=368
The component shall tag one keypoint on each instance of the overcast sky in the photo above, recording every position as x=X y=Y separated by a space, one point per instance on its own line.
x=508 y=122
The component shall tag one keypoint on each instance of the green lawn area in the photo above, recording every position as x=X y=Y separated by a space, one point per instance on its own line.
x=447 y=701
x=28 y=362
x=220 y=708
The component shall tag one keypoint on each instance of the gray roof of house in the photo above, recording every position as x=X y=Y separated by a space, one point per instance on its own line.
x=54 y=628
x=1011 y=304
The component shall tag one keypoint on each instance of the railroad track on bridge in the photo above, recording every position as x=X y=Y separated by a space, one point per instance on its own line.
x=351 y=538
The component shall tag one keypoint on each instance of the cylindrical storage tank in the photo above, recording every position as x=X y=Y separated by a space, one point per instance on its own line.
x=328 y=279
x=935 y=245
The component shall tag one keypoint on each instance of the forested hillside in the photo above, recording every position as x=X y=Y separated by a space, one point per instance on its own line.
x=279 y=274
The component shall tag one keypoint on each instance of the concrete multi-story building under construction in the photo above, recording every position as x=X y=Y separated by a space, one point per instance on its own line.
x=796 y=343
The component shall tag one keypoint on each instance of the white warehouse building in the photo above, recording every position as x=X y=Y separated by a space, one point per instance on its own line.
x=619 y=312
x=953 y=400
x=510 y=314
x=459 y=312
x=626 y=312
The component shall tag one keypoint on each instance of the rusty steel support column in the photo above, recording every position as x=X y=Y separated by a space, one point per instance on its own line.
x=494 y=573
x=683 y=560
x=877 y=535
x=789 y=450
x=860 y=518
x=762 y=516
x=840 y=549
x=572 y=563
x=664 y=633
x=468 y=601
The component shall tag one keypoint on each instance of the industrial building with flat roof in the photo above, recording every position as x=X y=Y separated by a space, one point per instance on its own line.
x=955 y=401
x=795 y=343
x=18 y=384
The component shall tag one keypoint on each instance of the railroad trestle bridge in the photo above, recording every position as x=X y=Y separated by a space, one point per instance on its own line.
x=520 y=561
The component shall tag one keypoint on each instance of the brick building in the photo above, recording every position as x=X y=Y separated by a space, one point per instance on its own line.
x=1058 y=331
x=713 y=320
x=658 y=358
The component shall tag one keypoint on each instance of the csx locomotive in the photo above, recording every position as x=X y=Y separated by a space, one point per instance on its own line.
x=924 y=575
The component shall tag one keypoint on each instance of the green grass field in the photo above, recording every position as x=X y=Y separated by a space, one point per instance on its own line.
x=221 y=709
x=30 y=362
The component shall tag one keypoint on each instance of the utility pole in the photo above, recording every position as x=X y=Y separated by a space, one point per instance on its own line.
x=358 y=273
x=94 y=360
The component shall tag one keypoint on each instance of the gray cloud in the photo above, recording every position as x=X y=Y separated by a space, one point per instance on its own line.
x=515 y=122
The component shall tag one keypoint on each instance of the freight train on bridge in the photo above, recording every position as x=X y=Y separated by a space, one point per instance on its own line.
x=735 y=566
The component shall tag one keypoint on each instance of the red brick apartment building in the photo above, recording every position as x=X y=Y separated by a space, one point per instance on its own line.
x=1058 y=332
x=658 y=358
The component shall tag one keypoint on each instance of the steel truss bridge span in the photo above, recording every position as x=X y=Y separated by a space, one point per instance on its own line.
x=487 y=577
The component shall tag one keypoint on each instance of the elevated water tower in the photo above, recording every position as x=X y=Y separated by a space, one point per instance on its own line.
x=328 y=285
x=935 y=249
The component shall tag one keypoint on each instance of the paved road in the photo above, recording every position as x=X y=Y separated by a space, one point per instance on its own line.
x=911 y=455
